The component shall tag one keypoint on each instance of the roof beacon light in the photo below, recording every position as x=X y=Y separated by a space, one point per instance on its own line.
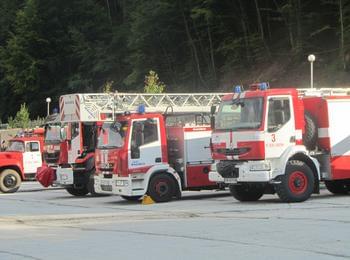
x=237 y=89
x=263 y=86
x=141 y=109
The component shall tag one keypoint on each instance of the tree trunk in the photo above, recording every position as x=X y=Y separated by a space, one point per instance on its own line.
x=193 y=47
x=211 y=50
x=245 y=30
x=261 y=28
x=341 y=20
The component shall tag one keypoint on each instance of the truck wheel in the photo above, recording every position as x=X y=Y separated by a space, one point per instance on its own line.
x=10 y=181
x=91 y=187
x=297 y=183
x=246 y=192
x=161 y=188
x=310 y=135
x=337 y=187
x=131 y=198
x=78 y=192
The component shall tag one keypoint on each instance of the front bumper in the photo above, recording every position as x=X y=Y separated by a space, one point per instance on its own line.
x=124 y=186
x=215 y=177
x=64 y=176
x=251 y=171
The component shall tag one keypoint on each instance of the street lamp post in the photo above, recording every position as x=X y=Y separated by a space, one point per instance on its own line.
x=48 y=100
x=311 y=58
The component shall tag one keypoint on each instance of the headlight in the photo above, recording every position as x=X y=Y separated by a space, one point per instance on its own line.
x=260 y=167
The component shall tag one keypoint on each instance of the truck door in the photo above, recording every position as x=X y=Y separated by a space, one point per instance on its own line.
x=145 y=144
x=280 y=126
x=32 y=157
x=74 y=146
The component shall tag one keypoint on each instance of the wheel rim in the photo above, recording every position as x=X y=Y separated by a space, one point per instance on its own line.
x=10 y=181
x=297 y=182
x=162 y=188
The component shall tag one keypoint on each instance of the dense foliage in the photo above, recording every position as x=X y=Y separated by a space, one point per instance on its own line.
x=51 y=47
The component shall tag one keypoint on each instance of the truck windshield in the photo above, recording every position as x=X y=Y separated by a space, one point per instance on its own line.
x=15 y=146
x=52 y=133
x=245 y=113
x=112 y=135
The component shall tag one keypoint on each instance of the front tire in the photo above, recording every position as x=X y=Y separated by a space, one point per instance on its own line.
x=338 y=187
x=297 y=183
x=78 y=192
x=246 y=192
x=131 y=198
x=10 y=181
x=162 y=188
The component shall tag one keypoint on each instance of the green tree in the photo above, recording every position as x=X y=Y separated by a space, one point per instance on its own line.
x=153 y=84
x=21 y=119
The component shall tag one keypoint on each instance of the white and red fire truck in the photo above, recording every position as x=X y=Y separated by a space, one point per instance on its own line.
x=73 y=156
x=159 y=154
x=21 y=159
x=284 y=141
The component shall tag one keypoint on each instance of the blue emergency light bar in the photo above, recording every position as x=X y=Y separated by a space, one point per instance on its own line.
x=141 y=109
x=237 y=89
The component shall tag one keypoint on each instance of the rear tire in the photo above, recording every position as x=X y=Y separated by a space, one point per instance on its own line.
x=247 y=192
x=10 y=181
x=162 y=188
x=78 y=192
x=131 y=198
x=297 y=183
x=338 y=187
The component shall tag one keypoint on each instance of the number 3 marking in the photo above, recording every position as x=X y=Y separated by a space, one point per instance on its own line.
x=273 y=138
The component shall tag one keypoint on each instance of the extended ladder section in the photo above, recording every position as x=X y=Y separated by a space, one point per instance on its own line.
x=324 y=91
x=105 y=106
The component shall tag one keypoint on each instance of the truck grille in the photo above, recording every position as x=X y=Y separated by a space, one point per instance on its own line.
x=51 y=157
x=233 y=152
x=106 y=187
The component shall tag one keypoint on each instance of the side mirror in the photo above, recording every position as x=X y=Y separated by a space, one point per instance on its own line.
x=212 y=122
x=212 y=110
x=135 y=152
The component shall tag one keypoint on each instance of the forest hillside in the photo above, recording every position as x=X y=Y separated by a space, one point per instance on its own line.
x=54 y=47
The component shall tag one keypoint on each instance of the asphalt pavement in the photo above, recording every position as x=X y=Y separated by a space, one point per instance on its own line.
x=39 y=223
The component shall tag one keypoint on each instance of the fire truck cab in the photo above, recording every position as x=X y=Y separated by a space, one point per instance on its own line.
x=21 y=159
x=282 y=140
x=152 y=152
x=155 y=154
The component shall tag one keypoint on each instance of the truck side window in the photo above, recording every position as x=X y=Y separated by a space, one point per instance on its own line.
x=279 y=113
x=144 y=132
x=32 y=147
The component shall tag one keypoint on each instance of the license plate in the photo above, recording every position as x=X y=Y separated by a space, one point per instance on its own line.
x=65 y=176
x=230 y=180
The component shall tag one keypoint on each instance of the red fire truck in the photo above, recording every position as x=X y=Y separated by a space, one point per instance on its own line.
x=154 y=153
x=21 y=159
x=284 y=141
